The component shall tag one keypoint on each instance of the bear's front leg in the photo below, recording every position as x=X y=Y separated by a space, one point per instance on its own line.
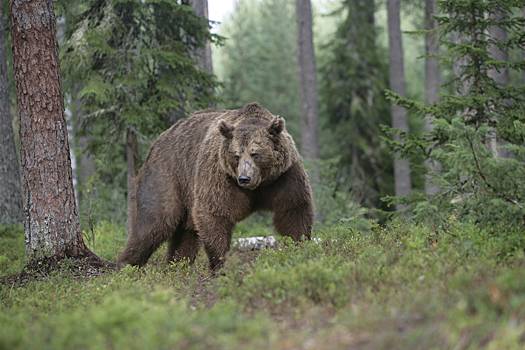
x=292 y=204
x=215 y=234
x=294 y=222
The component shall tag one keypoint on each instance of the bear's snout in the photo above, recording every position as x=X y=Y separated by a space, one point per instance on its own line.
x=247 y=173
x=244 y=180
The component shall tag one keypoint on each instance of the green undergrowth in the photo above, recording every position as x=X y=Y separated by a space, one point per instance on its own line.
x=401 y=286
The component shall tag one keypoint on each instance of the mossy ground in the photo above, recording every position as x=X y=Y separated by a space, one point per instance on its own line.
x=396 y=287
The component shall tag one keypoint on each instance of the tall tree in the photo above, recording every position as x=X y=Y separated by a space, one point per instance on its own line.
x=203 y=53
x=477 y=185
x=307 y=85
x=498 y=36
x=52 y=228
x=11 y=198
x=403 y=183
x=432 y=83
x=354 y=78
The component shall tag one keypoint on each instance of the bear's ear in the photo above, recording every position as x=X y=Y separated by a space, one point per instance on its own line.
x=226 y=129
x=277 y=126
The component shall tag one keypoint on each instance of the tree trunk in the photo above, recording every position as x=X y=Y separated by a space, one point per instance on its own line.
x=462 y=84
x=308 y=87
x=432 y=84
x=86 y=163
x=132 y=158
x=61 y=32
x=499 y=34
x=403 y=184
x=501 y=77
x=52 y=228
x=10 y=196
x=203 y=54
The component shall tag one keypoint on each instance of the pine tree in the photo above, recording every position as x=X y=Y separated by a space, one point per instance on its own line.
x=473 y=183
x=52 y=228
x=353 y=80
x=135 y=59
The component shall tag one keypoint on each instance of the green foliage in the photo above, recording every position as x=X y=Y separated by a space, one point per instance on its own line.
x=291 y=275
x=106 y=238
x=335 y=204
x=135 y=61
x=101 y=200
x=400 y=286
x=155 y=322
x=354 y=77
x=478 y=181
x=259 y=58
x=11 y=250
x=131 y=65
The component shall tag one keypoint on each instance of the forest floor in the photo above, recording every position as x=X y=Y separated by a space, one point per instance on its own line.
x=395 y=287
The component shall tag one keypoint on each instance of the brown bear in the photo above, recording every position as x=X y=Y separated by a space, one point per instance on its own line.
x=210 y=171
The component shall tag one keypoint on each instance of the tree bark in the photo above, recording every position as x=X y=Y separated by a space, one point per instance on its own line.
x=132 y=158
x=403 y=184
x=432 y=85
x=52 y=228
x=10 y=195
x=308 y=86
x=203 y=54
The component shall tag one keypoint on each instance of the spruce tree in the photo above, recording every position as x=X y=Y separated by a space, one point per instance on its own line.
x=473 y=183
x=135 y=60
x=353 y=78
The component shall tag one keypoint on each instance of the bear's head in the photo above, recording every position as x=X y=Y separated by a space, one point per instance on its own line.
x=256 y=150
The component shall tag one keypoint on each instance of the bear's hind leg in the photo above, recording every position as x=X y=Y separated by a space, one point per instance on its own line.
x=143 y=243
x=182 y=245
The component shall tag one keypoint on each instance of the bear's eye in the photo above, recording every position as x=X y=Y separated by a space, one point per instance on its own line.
x=255 y=156
x=236 y=157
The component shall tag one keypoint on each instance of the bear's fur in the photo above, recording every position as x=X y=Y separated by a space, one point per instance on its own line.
x=190 y=190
